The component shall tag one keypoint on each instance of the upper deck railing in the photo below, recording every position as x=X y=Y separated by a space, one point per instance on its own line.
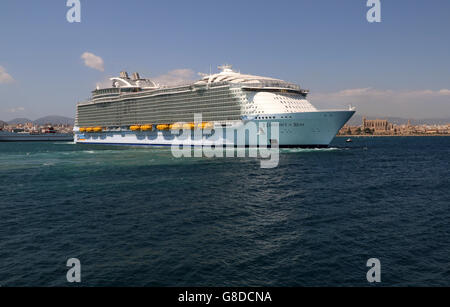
x=103 y=95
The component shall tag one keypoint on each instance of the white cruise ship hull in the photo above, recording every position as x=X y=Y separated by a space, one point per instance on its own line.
x=307 y=129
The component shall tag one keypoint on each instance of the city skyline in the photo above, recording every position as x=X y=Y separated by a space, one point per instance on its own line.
x=398 y=67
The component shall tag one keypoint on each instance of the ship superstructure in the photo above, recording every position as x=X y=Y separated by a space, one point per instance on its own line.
x=138 y=111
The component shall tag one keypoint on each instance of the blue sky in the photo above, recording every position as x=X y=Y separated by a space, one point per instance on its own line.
x=399 y=67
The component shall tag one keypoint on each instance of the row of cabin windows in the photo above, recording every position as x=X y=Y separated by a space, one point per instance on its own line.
x=271 y=117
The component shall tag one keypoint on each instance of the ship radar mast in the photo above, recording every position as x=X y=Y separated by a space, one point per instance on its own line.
x=225 y=68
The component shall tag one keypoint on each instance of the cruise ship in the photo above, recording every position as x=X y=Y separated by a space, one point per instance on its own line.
x=138 y=111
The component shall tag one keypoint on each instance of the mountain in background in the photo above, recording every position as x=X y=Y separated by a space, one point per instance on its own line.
x=52 y=120
x=356 y=120
x=17 y=121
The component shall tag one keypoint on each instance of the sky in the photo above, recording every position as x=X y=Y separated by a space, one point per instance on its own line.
x=399 y=67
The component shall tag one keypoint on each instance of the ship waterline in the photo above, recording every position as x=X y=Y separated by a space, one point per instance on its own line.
x=138 y=111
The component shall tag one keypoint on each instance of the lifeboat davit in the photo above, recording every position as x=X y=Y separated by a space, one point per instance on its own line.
x=89 y=129
x=98 y=129
x=135 y=128
x=82 y=129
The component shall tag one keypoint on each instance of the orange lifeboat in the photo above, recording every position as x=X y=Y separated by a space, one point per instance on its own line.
x=188 y=126
x=147 y=128
x=163 y=127
x=205 y=126
x=176 y=126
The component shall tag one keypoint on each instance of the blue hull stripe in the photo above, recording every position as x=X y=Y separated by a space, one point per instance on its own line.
x=167 y=145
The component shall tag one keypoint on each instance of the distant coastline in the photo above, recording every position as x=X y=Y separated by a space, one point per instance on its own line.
x=383 y=127
x=50 y=119
x=386 y=135
x=54 y=123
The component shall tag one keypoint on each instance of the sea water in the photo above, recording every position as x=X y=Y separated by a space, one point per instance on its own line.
x=141 y=217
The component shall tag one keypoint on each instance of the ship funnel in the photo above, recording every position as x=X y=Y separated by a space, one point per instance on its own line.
x=124 y=75
x=136 y=76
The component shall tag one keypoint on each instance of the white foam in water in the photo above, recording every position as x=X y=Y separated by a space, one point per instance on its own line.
x=305 y=150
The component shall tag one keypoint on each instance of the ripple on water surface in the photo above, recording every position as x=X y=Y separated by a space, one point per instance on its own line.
x=140 y=217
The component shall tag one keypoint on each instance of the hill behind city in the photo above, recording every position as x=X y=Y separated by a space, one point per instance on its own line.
x=354 y=121
x=51 y=119
x=54 y=120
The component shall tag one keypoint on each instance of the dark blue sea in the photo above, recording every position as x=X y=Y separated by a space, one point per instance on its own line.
x=140 y=217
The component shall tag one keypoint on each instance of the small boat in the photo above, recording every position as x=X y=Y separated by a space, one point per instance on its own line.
x=6 y=136
x=349 y=140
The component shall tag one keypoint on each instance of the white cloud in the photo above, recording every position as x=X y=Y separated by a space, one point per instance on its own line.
x=15 y=110
x=398 y=103
x=176 y=77
x=93 y=61
x=4 y=76
x=444 y=92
